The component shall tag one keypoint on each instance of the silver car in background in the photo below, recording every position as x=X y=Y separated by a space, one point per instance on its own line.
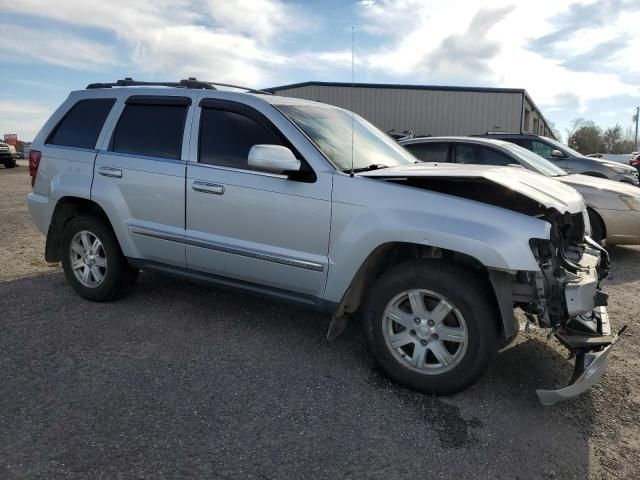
x=569 y=159
x=614 y=207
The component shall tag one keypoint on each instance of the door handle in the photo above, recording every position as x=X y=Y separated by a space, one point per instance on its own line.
x=110 y=172
x=206 y=187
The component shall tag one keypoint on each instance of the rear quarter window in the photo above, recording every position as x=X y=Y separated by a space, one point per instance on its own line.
x=82 y=124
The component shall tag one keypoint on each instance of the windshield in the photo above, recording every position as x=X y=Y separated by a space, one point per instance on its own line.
x=534 y=162
x=341 y=135
x=562 y=147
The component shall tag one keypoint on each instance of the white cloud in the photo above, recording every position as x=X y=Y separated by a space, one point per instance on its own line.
x=225 y=41
x=540 y=46
x=55 y=47
x=24 y=118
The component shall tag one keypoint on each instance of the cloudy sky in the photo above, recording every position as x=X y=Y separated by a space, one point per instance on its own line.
x=576 y=59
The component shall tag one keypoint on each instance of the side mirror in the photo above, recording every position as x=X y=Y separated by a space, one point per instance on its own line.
x=557 y=154
x=273 y=159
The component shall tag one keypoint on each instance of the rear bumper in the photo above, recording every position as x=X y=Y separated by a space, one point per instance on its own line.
x=40 y=210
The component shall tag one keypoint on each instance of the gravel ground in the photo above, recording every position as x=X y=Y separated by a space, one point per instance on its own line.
x=180 y=380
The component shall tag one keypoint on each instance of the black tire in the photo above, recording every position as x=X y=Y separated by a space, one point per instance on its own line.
x=465 y=291
x=119 y=277
x=597 y=227
x=10 y=164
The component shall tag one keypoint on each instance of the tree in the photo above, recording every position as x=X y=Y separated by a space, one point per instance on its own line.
x=586 y=137
x=556 y=132
x=575 y=124
x=612 y=138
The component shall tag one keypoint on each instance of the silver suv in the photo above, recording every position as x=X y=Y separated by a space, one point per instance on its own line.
x=309 y=203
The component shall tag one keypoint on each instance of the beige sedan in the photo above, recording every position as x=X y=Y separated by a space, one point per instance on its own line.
x=614 y=208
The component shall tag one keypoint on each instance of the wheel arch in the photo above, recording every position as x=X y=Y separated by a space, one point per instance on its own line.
x=599 y=218
x=67 y=208
x=387 y=255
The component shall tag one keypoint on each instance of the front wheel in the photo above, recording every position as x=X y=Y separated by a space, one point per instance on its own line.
x=93 y=262
x=432 y=326
x=10 y=164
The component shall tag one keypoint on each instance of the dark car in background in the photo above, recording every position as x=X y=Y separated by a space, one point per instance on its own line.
x=7 y=155
x=569 y=159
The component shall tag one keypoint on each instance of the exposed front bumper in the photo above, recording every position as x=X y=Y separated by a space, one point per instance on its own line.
x=597 y=364
x=592 y=359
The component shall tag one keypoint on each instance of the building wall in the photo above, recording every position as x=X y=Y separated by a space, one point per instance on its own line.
x=537 y=123
x=426 y=112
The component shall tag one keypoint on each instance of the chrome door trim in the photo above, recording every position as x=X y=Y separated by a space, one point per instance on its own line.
x=226 y=248
x=152 y=232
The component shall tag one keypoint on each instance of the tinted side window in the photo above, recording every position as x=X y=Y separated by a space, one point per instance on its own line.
x=467 y=154
x=150 y=130
x=430 y=152
x=541 y=149
x=493 y=157
x=82 y=124
x=226 y=137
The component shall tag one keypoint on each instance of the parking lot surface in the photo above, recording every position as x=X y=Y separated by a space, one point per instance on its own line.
x=180 y=380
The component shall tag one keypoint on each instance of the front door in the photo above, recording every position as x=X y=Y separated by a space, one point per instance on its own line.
x=255 y=227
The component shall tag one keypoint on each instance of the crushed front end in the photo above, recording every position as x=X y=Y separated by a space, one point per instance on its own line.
x=564 y=296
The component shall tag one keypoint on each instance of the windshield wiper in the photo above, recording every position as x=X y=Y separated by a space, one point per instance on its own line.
x=373 y=166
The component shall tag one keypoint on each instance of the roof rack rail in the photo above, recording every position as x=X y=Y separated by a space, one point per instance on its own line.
x=190 y=82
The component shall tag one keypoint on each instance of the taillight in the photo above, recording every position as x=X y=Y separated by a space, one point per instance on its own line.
x=34 y=163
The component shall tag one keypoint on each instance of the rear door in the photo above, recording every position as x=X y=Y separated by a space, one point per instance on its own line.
x=475 y=154
x=252 y=226
x=139 y=178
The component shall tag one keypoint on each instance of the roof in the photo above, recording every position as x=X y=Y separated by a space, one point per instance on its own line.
x=473 y=139
x=395 y=86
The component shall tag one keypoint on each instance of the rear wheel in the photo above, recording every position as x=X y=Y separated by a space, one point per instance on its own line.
x=93 y=262
x=432 y=326
x=10 y=164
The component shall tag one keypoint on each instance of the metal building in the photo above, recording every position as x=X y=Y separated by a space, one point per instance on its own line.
x=429 y=110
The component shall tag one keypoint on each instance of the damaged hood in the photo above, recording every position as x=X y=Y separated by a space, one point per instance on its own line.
x=544 y=190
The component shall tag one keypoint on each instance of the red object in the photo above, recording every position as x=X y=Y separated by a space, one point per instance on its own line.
x=635 y=162
x=34 y=163
x=11 y=139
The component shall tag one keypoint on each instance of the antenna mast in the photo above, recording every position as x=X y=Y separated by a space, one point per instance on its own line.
x=353 y=87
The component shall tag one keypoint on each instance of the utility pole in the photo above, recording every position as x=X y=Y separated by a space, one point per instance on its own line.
x=636 y=119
